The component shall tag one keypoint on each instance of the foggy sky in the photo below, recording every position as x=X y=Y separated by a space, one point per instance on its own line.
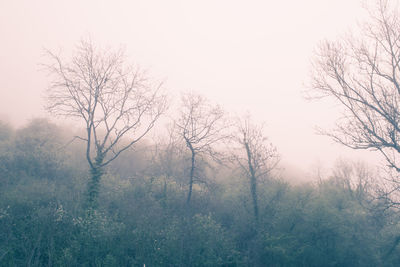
x=246 y=55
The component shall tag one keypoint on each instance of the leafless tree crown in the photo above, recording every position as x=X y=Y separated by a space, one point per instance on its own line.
x=201 y=126
x=255 y=154
x=115 y=101
x=200 y=123
x=362 y=74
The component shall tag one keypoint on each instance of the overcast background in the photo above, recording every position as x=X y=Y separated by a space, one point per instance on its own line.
x=246 y=55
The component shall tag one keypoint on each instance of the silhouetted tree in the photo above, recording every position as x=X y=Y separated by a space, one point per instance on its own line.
x=256 y=156
x=114 y=102
x=201 y=126
x=363 y=75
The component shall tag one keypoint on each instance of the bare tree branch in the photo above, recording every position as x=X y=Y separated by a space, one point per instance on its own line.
x=255 y=155
x=201 y=126
x=114 y=101
x=363 y=74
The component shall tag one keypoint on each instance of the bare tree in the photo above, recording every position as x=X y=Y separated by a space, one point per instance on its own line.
x=363 y=75
x=201 y=127
x=255 y=155
x=357 y=178
x=117 y=104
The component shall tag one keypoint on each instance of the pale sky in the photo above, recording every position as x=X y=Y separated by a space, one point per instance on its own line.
x=246 y=55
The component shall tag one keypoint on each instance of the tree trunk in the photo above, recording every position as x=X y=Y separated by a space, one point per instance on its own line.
x=96 y=172
x=253 y=181
x=191 y=178
x=253 y=187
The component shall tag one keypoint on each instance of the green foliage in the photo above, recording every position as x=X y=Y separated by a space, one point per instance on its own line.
x=142 y=218
x=6 y=131
x=194 y=241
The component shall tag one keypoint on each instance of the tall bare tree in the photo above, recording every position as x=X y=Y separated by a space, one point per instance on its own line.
x=116 y=103
x=201 y=126
x=255 y=155
x=363 y=75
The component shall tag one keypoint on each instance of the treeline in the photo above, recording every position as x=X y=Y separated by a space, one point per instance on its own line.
x=143 y=218
x=207 y=193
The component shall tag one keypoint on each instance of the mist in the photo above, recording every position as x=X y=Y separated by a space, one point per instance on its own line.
x=184 y=133
x=247 y=57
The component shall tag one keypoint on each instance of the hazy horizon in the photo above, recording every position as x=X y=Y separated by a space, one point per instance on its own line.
x=247 y=56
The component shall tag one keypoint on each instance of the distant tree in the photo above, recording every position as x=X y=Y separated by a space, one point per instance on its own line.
x=6 y=131
x=201 y=126
x=363 y=75
x=33 y=151
x=167 y=162
x=6 y=143
x=117 y=104
x=357 y=178
x=255 y=155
